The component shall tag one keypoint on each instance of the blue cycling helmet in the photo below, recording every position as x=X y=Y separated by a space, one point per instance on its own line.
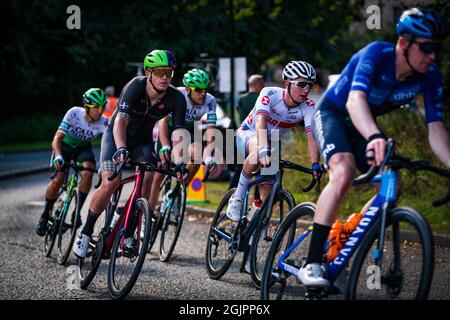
x=422 y=23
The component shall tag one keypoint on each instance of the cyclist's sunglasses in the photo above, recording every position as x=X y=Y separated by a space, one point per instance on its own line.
x=198 y=90
x=163 y=72
x=429 y=47
x=96 y=106
x=303 y=84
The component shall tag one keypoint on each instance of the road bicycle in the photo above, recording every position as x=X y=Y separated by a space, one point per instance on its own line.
x=395 y=256
x=64 y=218
x=170 y=220
x=109 y=241
x=226 y=238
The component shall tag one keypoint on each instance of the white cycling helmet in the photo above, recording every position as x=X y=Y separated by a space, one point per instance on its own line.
x=299 y=69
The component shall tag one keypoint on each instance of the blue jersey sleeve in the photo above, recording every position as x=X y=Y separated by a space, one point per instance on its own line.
x=367 y=62
x=432 y=92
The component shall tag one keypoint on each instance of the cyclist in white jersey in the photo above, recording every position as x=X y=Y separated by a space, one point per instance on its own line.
x=198 y=102
x=73 y=141
x=275 y=109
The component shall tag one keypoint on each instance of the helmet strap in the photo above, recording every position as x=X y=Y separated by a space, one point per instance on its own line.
x=289 y=93
x=154 y=88
x=88 y=115
x=406 y=53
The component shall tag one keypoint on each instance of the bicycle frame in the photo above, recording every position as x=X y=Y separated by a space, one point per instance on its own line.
x=137 y=178
x=385 y=198
x=244 y=236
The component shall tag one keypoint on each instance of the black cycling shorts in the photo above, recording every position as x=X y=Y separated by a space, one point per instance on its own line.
x=335 y=133
x=80 y=154
x=139 y=150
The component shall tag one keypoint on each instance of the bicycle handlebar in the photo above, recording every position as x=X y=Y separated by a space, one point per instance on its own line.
x=146 y=166
x=290 y=165
x=397 y=162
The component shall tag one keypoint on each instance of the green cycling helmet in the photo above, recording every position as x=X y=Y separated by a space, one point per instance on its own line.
x=196 y=78
x=94 y=96
x=160 y=58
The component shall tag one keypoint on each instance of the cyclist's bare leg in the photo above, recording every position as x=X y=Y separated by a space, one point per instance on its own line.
x=102 y=195
x=147 y=184
x=54 y=185
x=251 y=163
x=341 y=170
x=86 y=177
x=154 y=192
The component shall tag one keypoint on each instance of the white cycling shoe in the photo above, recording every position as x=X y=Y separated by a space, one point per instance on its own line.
x=81 y=245
x=312 y=275
x=234 y=209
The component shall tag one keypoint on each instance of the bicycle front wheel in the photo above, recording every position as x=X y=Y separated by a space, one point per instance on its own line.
x=265 y=232
x=88 y=266
x=221 y=246
x=278 y=283
x=52 y=227
x=406 y=267
x=125 y=265
x=171 y=226
x=67 y=228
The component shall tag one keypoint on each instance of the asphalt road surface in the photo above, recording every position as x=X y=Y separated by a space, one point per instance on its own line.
x=26 y=274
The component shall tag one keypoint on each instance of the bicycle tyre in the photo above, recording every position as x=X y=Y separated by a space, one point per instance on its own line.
x=52 y=227
x=257 y=251
x=272 y=277
x=167 y=243
x=120 y=293
x=63 y=253
x=213 y=242
x=95 y=251
x=393 y=279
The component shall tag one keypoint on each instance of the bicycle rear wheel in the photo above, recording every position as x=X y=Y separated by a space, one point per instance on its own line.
x=407 y=263
x=124 y=266
x=278 y=284
x=220 y=252
x=67 y=228
x=265 y=233
x=88 y=266
x=171 y=226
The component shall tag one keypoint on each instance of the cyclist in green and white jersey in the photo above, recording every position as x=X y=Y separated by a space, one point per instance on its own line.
x=72 y=140
x=198 y=103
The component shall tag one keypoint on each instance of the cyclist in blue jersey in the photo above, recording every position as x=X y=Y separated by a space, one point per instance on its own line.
x=378 y=79
x=73 y=141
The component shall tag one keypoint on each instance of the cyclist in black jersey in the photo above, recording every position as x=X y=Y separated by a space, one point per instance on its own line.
x=143 y=101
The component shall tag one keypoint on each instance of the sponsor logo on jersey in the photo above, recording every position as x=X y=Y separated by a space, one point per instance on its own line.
x=265 y=100
x=366 y=66
x=399 y=96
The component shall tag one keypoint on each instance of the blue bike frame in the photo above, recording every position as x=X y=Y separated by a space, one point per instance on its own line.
x=385 y=197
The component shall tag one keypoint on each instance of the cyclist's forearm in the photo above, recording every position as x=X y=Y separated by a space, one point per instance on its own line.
x=360 y=113
x=261 y=132
x=57 y=142
x=120 y=132
x=439 y=142
x=313 y=150
x=177 y=151
x=164 y=132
